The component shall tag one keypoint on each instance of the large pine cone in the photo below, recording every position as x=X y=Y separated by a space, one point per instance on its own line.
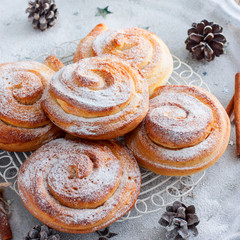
x=205 y=40
x=42 y=13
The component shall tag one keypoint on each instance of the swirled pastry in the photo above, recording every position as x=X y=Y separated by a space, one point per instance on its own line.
x=134 y=45
x=185 y=131
x=79 y=186
x=97 y=98
x=23 y=123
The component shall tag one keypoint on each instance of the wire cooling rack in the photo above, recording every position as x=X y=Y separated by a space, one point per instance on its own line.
x=157 y=191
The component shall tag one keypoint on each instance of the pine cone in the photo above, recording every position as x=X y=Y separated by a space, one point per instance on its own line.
x=42 y=232
x=180 y=221
x=42 y=13
x=205 y=40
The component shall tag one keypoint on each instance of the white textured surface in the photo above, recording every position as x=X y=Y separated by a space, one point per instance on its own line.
x=217 y=197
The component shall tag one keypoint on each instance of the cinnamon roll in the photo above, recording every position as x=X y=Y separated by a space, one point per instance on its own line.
x=97 y=98
x=79 y=186
x=23 y=123
x=134 y=45
x=185 y=131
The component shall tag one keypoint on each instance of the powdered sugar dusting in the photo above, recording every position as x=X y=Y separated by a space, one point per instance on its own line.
x=22 y=119
x=94 y=84
x=178 y=119
x=34 y=175
x=189 y=157
x=135 y=45
x=109 y=118
x=76 y=181
x=19 y=83
x=124 y=43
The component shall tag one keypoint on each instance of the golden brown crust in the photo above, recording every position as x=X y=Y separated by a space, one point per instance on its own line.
x=54 y=63
x=185 y=131
x=86 y=51
x=16 y=139
x=97 y=98
x=134 y=45
x=23 y=123
x=63 y=170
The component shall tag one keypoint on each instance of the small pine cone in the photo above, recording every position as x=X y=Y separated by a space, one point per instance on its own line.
x=42 y=13
x=42 y=232
x=180 y=221
x=205 y=40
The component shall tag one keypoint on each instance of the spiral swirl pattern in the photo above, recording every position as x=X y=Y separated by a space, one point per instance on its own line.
x=23 y=123
x=97 y=98
x=134 y=45
x=185 y=131
x=79 y=186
